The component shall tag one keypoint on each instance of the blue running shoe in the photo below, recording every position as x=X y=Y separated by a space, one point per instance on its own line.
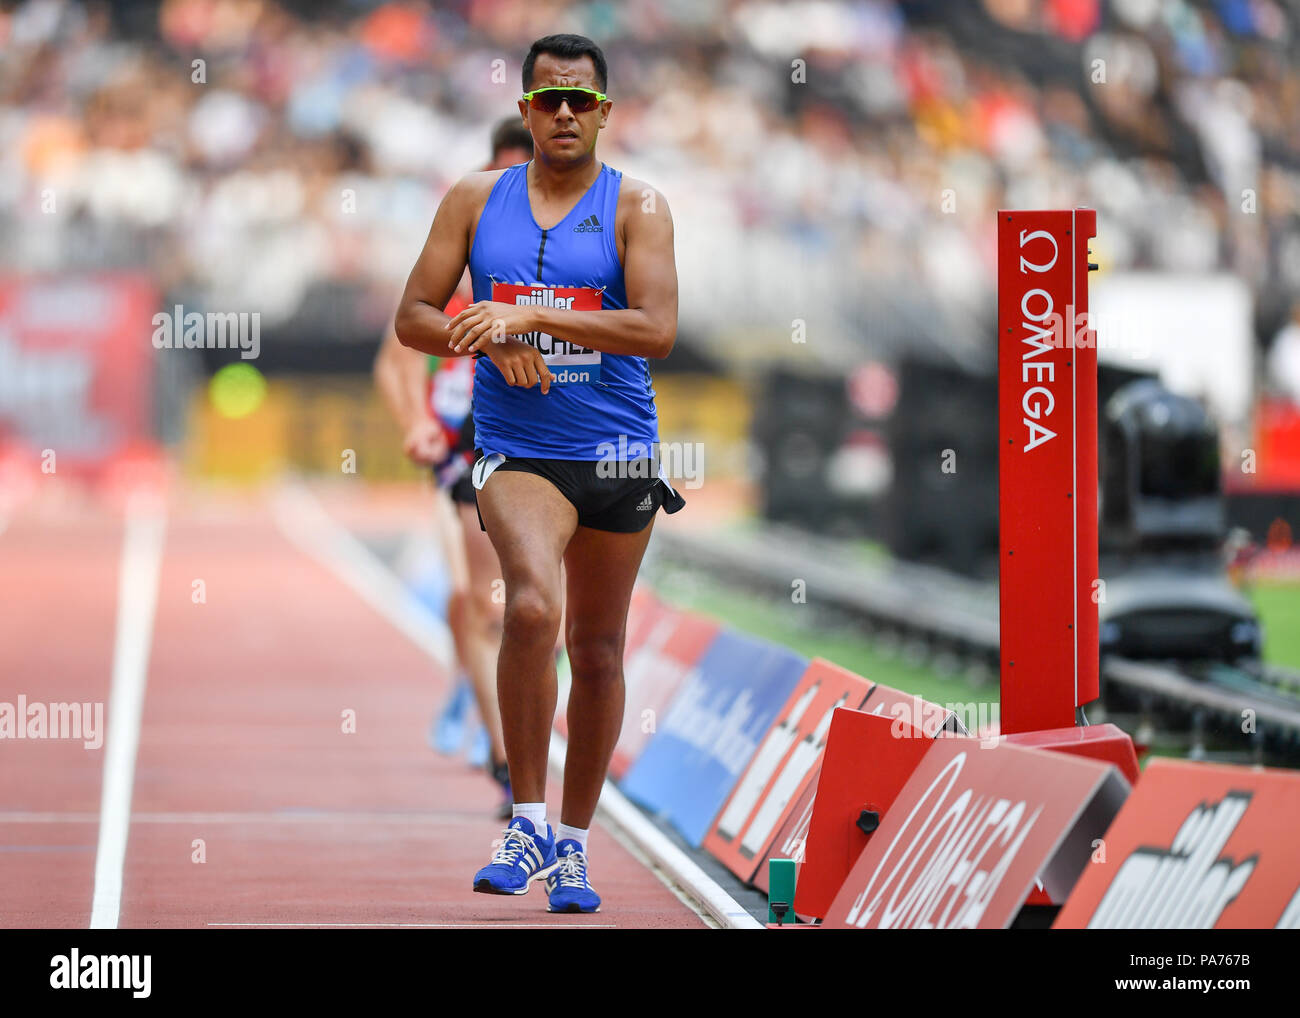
x=522 y=857
x=447 y=733
x=480 y=747
x=567 y=886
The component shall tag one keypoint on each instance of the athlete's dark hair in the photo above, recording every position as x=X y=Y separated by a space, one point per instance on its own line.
x=570 y=47
x=510 y=133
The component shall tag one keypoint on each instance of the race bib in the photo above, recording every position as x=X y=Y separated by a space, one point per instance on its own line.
x=451 y=387
x=570 y=363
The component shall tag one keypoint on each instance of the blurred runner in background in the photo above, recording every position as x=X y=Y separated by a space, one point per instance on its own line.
x=431 y=398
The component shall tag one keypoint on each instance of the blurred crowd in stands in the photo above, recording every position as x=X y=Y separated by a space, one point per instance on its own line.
x=835 y=161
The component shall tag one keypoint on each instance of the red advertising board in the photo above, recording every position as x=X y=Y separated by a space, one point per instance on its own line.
x=1277 y=449
x=784 y=765
x=793 y=836
x=1197 y=846
x=844 y=794
x=76 y=365
x=974 y=826
x=673 y=644
x=1047 y=489
x=910 y=709
x=1100 y=742
x=868 y=759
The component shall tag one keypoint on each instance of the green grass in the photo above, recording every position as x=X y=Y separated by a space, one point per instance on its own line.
x=1278 y=605
x=794 y=626
x=799 y=627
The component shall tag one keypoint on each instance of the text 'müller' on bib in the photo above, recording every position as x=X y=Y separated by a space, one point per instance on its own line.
x=570 y=363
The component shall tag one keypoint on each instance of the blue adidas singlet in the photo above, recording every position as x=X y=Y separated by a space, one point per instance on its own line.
x=601 y=405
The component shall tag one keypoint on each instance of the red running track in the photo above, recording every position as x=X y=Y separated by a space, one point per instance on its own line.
x=251 y=806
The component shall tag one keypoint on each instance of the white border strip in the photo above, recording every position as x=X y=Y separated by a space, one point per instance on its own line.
x=137 y=601
x=306 y=523
x=310 y=529
x=615 y=808
x=425 y=926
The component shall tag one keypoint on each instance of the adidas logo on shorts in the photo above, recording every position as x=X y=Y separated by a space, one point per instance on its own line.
x=647 y=503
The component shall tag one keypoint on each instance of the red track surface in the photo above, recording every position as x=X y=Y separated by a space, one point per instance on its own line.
x=242 y=744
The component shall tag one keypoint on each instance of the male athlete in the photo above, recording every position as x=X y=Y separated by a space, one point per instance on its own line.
x=575 y=287
x=430 y=398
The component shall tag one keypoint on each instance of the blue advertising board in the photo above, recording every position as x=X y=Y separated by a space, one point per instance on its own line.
x=705 y=739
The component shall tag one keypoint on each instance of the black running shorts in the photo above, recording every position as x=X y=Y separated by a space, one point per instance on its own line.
x=462 y=491
x=622 y=504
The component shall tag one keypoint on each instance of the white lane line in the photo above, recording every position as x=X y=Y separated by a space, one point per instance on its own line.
x=304 y=521
x=435 y=926
x=137 y=599
x=310 y=529
x=269 y=817
x=625 y=817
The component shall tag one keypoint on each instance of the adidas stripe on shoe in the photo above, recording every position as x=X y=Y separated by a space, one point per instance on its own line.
x=522 y=857
x=567 y=887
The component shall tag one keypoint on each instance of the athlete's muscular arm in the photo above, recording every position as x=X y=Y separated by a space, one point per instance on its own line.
x=420 y=322
x=646 y=329
x=401 y=376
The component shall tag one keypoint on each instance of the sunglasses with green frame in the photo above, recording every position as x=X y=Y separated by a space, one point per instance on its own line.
x=551 y=98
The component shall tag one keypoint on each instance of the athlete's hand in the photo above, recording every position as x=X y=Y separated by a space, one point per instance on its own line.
x=425 y=442
x=488 y=321
x=520 y=364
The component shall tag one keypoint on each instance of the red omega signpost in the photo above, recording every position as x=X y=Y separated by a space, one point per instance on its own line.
x=1049 y=596
x=1047 y=491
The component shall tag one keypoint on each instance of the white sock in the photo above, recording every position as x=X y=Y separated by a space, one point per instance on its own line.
x=534 y=813
x=578 y=834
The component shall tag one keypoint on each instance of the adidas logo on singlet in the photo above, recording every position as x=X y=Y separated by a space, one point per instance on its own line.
x=589 y=225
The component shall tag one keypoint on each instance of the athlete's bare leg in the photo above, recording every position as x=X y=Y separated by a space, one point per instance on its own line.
x=601 y=567
x=485 y=610
x=465 y=619
x=530 y=524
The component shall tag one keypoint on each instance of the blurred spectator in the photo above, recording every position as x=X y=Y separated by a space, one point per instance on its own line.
x=1284 y=358
x=832 y=161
